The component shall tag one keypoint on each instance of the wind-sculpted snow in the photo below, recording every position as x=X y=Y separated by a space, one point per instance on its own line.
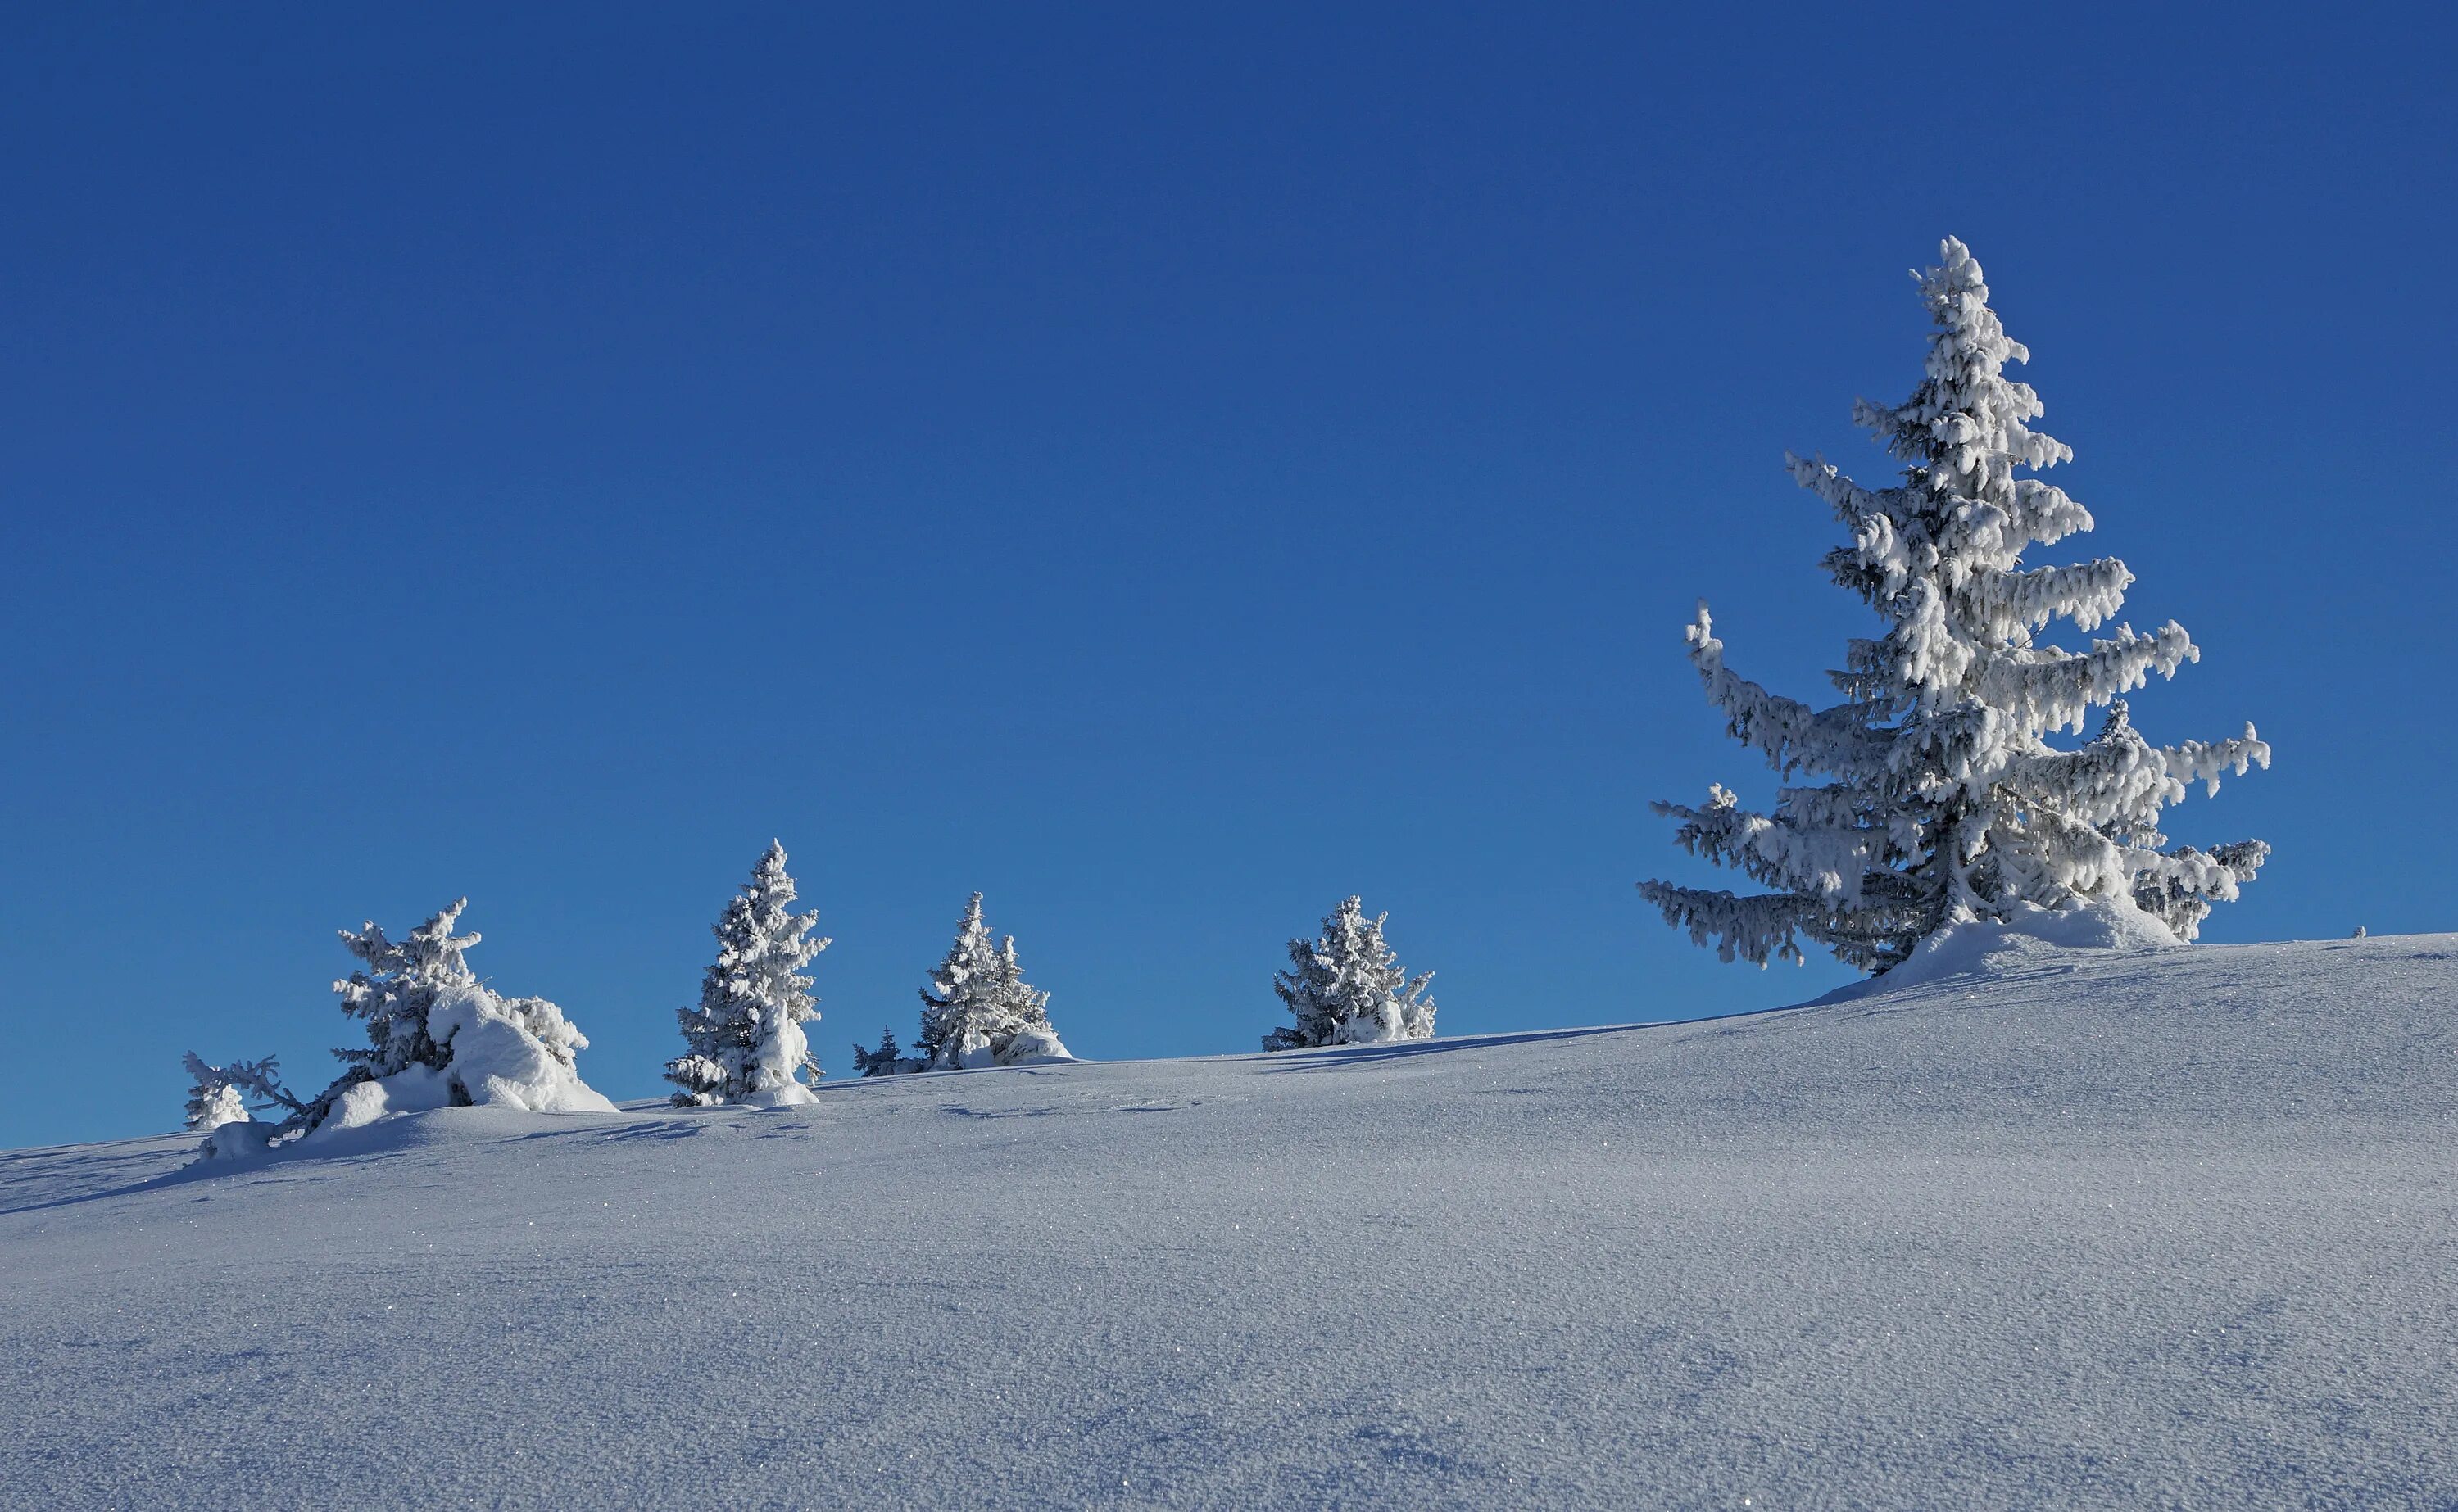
x=2102 y=1228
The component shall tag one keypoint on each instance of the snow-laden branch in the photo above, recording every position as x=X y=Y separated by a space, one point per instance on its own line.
x=1789 y=733
x=2089 y=594
x=2047 y=687
x=2196 y=761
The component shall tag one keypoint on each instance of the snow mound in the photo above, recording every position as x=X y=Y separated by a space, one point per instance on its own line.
x=2028 y=938
x=1034 y=1044
x=787 y=1093
x=513 y=1053
x=507 y=1052
x=518 y=1052
x=1030 y=1045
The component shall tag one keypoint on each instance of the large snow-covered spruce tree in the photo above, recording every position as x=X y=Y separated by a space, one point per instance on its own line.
x=1946 y=802
x=978 y=1009
x=1346 y=987
x=744 y=1040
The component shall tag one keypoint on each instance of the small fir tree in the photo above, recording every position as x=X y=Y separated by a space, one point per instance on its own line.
x=1345 y=986
x=1946 y=802
x=746 y=1038
x=213 y=1099
x=397 y=986
x=222 y=1094
x=978 y=1009
x=888 y=1060
x=420 y=999
x=961 y=1006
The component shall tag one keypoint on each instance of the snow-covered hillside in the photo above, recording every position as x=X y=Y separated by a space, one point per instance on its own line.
x=2168 y=1228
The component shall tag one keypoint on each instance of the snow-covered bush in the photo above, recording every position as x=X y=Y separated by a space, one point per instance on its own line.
x=213 y=1098
x=220 y=1098
x=241 y=1084
x=1345 y=986
x=888 y=1060
x=437 y=1037
x=745 y=1040
x=979 y=1010
x=1946 y=802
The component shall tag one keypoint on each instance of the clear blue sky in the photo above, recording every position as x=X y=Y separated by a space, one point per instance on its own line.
x=1164 y=471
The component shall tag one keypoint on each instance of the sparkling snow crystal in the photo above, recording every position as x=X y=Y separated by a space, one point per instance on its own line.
x=1947 y=805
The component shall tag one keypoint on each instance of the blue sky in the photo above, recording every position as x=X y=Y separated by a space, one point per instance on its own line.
x=1165 y=471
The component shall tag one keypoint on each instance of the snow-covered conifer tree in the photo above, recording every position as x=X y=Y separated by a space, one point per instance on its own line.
x=1345 y=986
x=437 y=1036
x=978 y=1009
x=1029 y=1036
x=746 y=1038
x=1946 y=802
x=396 y=988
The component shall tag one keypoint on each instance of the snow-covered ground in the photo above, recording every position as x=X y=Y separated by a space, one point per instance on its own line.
x=2115 y=1228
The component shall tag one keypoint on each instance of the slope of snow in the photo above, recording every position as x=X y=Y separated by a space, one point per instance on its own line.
x=2100 y=1228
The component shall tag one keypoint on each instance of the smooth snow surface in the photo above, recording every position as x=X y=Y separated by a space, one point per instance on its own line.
x=2166 y=1227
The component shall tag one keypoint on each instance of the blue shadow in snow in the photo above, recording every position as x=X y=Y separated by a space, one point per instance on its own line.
x=1345 y=1057
x=184 y=1175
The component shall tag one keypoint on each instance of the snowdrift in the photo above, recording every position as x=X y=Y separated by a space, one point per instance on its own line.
x=2112 y=1227
x=2028 y=935
x=518 y=1053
